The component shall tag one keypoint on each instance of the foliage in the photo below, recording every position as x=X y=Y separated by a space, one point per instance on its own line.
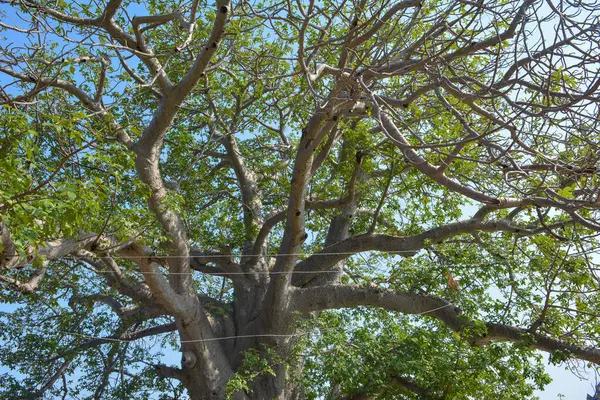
x=322 y=200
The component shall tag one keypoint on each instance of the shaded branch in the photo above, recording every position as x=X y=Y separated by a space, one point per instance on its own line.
x=345 y=296
x=31 y=285
x=405 y=246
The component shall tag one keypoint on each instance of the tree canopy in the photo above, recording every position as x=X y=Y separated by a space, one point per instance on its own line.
x=335 y=199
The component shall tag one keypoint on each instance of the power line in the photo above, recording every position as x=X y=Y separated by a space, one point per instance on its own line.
x=250 y=256
x=112 y=339
x=283 y=272
x=208 y=256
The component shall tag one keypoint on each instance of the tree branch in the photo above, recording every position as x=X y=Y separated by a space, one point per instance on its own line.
x=78 y=93
x=149 y=147
x=402 y=245
x=345 y=296
x=31 y=285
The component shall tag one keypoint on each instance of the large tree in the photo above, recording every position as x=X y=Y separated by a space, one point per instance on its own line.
x=334 y=199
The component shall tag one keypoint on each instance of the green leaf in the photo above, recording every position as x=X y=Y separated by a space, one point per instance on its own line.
x=567 y=192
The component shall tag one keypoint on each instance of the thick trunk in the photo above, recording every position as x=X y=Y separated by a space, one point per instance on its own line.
x=263 y=386
x=197 y=391
x=257 y=328
x=202 y=377
x=269 y=386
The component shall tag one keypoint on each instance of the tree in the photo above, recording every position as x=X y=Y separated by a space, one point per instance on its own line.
x=341 y=200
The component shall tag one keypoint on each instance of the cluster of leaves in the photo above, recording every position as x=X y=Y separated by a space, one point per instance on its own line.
x=42 y=331
x=61 y=178
x=375 y=353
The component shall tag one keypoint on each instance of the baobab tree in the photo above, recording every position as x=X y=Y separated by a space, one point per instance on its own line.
x=339 y=199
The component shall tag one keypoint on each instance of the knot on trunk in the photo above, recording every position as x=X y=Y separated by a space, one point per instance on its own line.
x=188 y=359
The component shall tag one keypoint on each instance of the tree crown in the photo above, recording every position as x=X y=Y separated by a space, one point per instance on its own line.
x=307 y=200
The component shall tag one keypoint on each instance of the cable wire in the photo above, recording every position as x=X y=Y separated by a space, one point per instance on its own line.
x=109 y=339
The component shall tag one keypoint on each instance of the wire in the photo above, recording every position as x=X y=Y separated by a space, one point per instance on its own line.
x=109 y=339
x=253 y=256
x=232 y=273
x=278 y=272
x=191 y=256
x=261 y=255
